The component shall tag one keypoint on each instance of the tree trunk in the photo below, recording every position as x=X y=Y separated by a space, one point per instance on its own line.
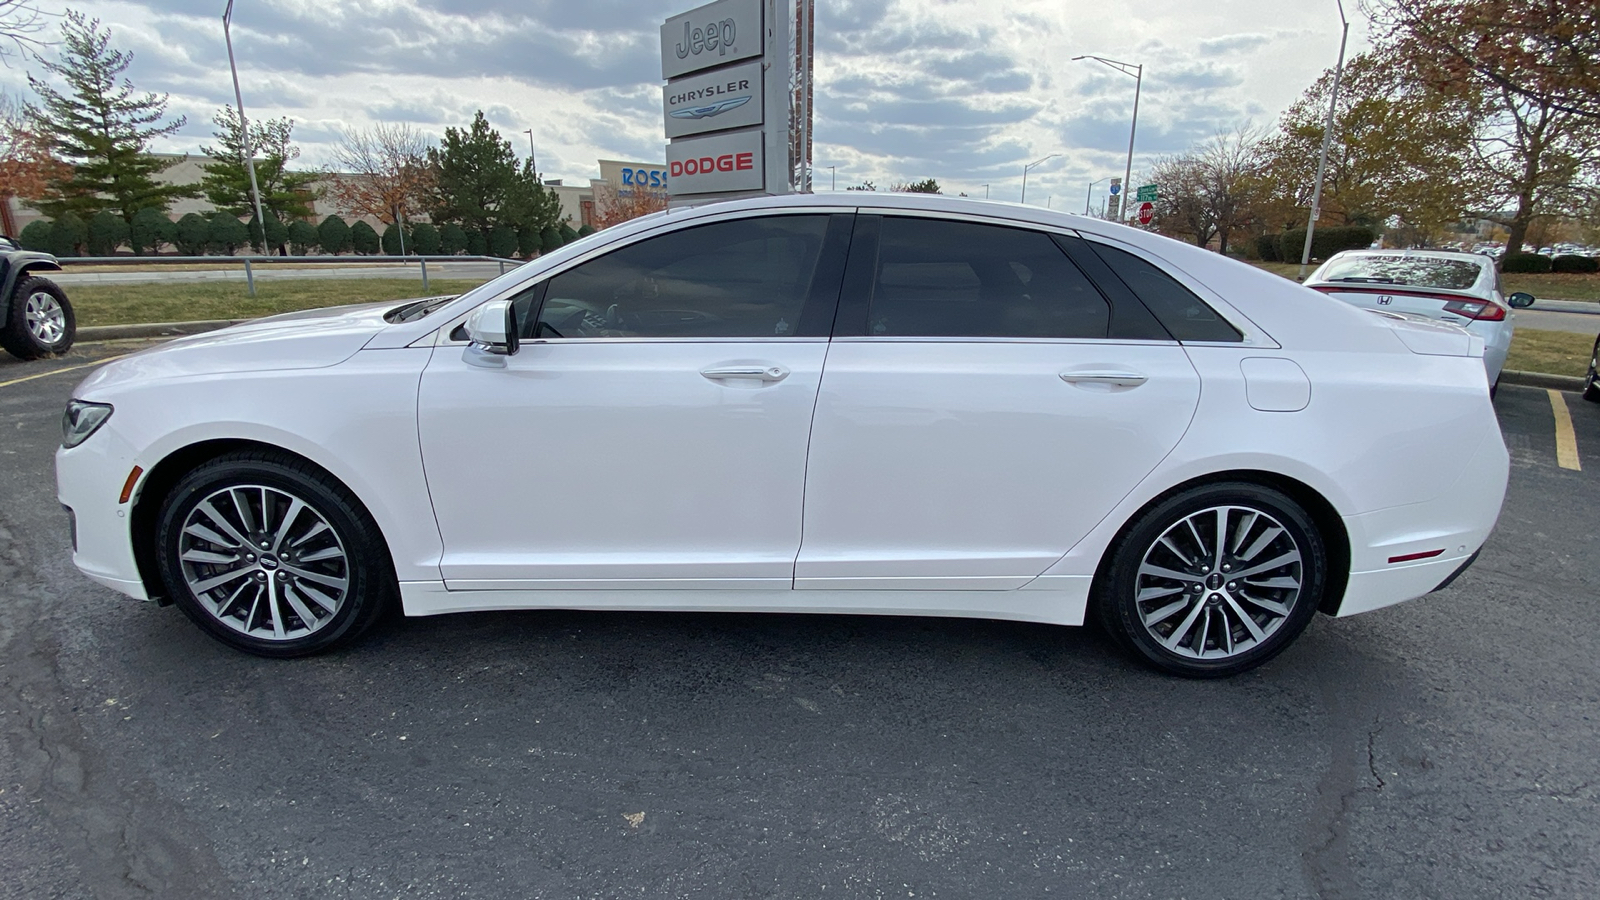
x=1518 y=226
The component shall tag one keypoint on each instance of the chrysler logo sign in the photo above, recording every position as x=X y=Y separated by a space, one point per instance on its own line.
x=706 y=112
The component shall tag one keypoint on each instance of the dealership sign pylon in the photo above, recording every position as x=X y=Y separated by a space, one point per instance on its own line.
x=726 y=102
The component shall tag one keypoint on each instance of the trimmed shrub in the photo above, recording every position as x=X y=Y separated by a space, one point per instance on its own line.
x=333 y=235
x=585 y=231
x=151 y=231
x=277 y=234
x=302 y=237
x=107 y=231
x=1326 y=242
x=228 y=234
x=392 y=243
x=568 y=235
x=503 y=242
x=477 y=244
x=67 y=236
x=36 y=236
x=1575 y=265
x=1267 y=248
x=528 y=242
x=549 y=240
x=1524 y=264
x=452 y=240
x=364 y=239
x=424 y=240
x=192 y=234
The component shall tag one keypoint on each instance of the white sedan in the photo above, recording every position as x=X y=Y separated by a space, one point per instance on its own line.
x=1460 y=288
x=889 y=404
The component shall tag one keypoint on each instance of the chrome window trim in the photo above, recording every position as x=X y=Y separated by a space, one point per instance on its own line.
x=946 y=339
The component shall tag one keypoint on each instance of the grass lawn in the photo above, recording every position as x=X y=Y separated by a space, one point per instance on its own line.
x=1555 y=352
x=124 y=304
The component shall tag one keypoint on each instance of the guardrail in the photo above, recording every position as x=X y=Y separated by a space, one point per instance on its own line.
x=251 y=261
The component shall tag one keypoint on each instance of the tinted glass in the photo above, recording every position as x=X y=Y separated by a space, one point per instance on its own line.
x=954 y=279
x=1183 y=314
x=746 y=278
x=1450 y=274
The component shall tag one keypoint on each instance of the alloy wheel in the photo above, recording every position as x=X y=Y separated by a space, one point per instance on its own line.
x=1219 y=582
x=264 y=562
x=46 y=321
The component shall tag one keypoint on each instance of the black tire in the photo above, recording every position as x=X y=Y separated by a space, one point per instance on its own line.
x=19 y=339
x=1591 y=382
x=1116 y=590
x=364 y=564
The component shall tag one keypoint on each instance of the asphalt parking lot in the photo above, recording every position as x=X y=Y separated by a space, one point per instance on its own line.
x=1443 y=748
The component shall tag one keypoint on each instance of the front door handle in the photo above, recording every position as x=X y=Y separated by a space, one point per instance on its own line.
x=746 y=373
x=1105 y=376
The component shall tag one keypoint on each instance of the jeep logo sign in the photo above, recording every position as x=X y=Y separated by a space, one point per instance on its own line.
x=716 y=163
x=722 y=32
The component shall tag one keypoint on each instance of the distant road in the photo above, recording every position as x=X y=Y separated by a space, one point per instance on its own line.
x=1550 y=320
x=479 y=271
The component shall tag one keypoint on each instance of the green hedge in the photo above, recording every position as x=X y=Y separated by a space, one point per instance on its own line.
x=1576 y=265
x=1525 y=263
x=1267 y=249
x=1325 y=242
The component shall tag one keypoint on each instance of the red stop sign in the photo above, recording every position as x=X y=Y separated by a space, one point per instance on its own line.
x=1147 y=211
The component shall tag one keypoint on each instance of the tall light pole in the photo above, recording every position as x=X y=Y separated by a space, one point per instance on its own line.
x=1327 y=137
x=1137 y=71
x=986 y=192
x=834 y=172
x=533 y=160
x=244 y=124
x=1033 y=165
x=1088 y=196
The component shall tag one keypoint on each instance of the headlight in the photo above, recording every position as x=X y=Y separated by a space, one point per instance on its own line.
x=81 y=420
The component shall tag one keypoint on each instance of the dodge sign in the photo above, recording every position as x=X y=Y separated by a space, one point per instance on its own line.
x=716 y=164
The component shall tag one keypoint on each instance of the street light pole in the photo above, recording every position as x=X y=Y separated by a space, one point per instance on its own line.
x=834 y=172
x=244 y=124
x=1327 y=137
x=533 y=160
x=1088 y=196
x=1035 y=164
x=1137 y=71
x=986 y=192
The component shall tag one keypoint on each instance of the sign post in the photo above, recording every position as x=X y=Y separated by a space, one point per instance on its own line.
x=1114 y=205
x=726 y=102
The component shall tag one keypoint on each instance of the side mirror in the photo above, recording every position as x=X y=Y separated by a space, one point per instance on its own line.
x=1520 y=300
x=492 y=329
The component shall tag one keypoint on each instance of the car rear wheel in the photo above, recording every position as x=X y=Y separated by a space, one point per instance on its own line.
x=272 y=556
x=39 y=321
x=1215 y=580
x=1591 y=390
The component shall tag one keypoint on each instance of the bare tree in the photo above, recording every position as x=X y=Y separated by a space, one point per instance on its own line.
x=20 y=20
x=1209 y=192
x=381 y=172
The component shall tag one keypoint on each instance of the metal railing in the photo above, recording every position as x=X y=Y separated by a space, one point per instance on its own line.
x=249 y=262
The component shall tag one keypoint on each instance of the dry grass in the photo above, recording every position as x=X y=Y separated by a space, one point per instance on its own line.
x=1555 y=352
x=125 y=304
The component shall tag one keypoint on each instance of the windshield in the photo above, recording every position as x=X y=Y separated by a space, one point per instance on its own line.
x=1422 y=271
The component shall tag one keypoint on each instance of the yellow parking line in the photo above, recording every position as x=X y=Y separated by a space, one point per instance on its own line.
x=1566 y=438
x=98 y=362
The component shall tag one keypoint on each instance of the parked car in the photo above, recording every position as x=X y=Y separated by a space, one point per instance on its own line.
x=35 y=317
x=1460 y=288
x=900 y=404
x=1591 y=381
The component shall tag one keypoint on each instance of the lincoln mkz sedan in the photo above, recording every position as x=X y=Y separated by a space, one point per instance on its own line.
x=887 y=404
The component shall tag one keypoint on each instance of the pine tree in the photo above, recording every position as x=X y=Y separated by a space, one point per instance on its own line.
x=103 y=128
x=364 y=238
x=226 y=183
x=478 y=184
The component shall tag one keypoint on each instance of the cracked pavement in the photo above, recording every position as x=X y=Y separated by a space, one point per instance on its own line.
x=1442 y=748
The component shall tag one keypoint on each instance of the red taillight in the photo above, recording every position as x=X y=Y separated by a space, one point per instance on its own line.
x=1481 y=310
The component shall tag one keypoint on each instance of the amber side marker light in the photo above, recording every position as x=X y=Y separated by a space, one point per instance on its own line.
x=133 y=479
x=1427 y=554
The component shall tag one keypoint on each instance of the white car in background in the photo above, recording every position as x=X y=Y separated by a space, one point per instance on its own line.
x=886 y=404
x=1460 y=288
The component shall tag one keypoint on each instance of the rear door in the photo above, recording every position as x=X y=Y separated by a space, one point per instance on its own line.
x=984 y=405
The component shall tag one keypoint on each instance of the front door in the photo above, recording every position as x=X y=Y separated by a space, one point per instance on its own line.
x=652 y=430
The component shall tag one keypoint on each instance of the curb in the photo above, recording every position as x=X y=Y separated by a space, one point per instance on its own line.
x=93 y=333
x=1542 y=380
x=1582 y=307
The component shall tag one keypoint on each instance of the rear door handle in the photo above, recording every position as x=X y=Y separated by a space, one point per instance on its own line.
x=746 y=373
x=1104 y=376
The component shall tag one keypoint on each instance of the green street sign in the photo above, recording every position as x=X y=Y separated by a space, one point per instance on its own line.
x=1147 y=193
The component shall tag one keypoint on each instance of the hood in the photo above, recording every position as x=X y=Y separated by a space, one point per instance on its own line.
x=312 y=339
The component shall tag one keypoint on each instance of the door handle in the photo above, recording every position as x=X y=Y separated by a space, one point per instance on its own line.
x=746 y=373
x=1105 y=376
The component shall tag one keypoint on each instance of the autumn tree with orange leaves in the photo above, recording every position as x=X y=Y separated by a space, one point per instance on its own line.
x=26 y=166
x=613 y=207
x=381 y=172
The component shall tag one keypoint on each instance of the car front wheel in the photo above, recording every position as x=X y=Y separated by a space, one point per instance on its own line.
x=1591 y=390
x=39 y=321
x=1215 y=580
x=272 y=556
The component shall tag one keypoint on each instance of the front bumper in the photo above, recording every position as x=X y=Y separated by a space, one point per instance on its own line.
x=89 y=480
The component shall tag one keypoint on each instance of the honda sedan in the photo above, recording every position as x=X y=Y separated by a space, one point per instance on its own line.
x=895 y=404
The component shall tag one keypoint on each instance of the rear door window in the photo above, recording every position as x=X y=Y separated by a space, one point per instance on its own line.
x=1184 y=315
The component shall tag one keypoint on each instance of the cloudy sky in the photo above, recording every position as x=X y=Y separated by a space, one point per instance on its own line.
x=965 y=91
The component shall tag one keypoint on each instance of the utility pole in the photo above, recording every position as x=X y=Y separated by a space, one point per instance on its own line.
x=1033 y=165
x=986 y=192
x=244 y=124
x=1090 y=194
x=1327 y=137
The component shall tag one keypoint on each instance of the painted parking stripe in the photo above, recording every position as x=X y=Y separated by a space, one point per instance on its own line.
x=98 y=362
x=1566 y=438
